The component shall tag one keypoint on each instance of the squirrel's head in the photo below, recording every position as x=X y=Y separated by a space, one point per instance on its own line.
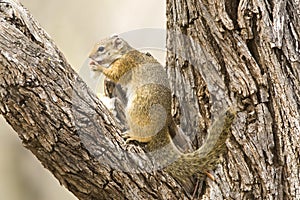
x=109 y=49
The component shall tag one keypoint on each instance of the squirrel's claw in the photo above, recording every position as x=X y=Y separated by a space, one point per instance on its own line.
x=209 y=175
x=126 y=137
x=131 y=137
x=94 y=66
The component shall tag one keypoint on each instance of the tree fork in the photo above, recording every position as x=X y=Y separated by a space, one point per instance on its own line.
x=252 y=45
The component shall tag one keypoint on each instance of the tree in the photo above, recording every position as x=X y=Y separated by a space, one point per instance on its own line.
x=245 y=52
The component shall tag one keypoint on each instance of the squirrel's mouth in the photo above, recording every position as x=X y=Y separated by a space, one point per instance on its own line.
x=99 y=62
x=94 y=62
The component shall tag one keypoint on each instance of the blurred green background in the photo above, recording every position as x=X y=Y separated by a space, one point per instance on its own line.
x=75 y=26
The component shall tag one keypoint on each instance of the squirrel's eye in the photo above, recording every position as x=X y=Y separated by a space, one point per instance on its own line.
x=100 y=49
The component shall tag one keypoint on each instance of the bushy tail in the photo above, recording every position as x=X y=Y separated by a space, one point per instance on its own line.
x=205 y=158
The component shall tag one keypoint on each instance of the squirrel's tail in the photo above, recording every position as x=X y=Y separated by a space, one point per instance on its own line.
x=204 y=158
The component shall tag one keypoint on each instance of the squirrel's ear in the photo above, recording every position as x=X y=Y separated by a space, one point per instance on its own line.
x=118 y=42
x=114 y=35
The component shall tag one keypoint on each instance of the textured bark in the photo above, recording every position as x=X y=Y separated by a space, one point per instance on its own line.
x=62 y=122
x=253 y=47
x=219 y=52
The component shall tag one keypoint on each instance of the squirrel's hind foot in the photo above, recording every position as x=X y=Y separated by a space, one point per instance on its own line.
x=128 y=136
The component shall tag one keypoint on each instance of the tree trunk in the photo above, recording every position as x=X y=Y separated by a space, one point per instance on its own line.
x=247 y=52
x=218 y=53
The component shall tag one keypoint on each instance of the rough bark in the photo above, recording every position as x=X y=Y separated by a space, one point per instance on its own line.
x=62 y=122
x=254 y=48
x=221 y=51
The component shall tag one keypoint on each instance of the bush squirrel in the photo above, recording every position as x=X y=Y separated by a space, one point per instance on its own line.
x=148 y=110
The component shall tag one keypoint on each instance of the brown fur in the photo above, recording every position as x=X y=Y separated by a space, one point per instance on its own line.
x=148 y=112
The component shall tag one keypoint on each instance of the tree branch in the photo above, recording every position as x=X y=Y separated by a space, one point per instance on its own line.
x=60 y=120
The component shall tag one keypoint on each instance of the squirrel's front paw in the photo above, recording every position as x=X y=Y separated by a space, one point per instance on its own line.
x=94 y=66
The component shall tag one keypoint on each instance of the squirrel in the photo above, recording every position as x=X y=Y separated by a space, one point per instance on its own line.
x=148 y=110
